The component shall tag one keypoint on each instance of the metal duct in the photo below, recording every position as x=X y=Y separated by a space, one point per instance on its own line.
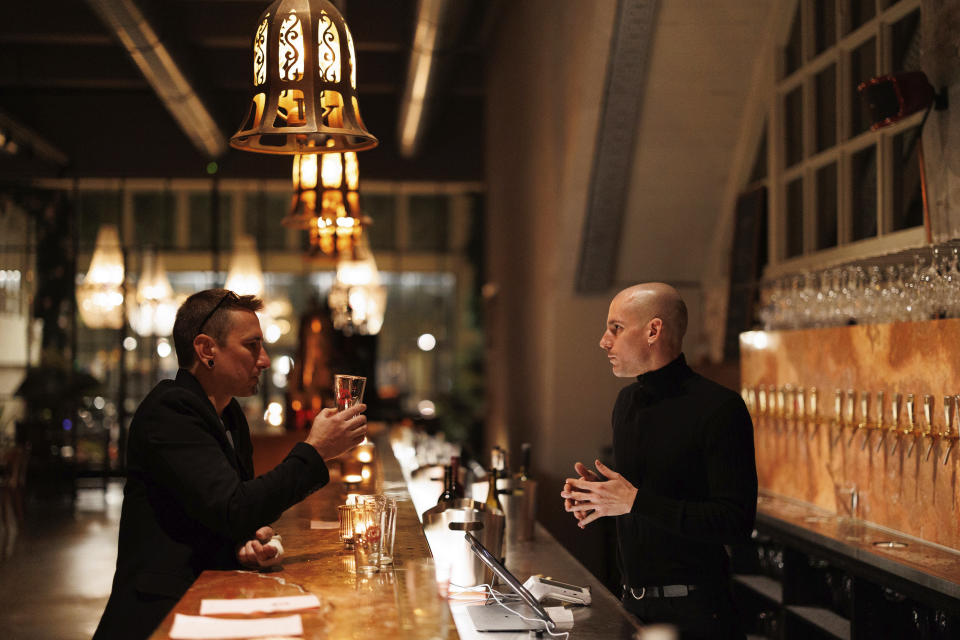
x=438 y=23
x=154 y=59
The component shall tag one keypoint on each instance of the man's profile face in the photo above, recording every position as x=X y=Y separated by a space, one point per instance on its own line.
x=625 y=339
x=241 y=356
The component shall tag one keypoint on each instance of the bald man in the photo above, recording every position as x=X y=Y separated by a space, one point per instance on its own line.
x=686 y=480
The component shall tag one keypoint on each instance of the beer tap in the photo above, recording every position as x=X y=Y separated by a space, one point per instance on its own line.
x=801 y=416
x=895 y=424
x=880 y=426
x=911 y=422
x=762 y=402
x=781 y=402
x=864 y=419
x=812 y=412
x=928 y=420
x=837 y=415
x=949 y=411
x=788 y=410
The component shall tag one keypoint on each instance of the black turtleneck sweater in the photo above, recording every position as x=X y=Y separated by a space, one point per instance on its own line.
x=686 y=443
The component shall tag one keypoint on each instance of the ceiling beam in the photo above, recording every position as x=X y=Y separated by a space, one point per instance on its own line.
x=128 y=21
x=627 y=72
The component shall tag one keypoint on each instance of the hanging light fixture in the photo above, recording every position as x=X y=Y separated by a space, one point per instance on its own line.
x=154 y=308
x=100 y=295
x=357 y=299
x=326 y=201
x=244 y=276
x=304 y=83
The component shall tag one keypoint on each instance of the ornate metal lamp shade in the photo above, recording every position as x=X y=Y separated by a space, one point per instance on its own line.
x=326 y=201
x=100 y=295
x=154 y=310
x=304 y=83
x=357 y=299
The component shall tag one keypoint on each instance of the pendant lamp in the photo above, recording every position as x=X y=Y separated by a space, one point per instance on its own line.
x=154 y=307
x=304 y=83
x=357 y=299
x=244 y=276
x=326 y=201
x=100 y=295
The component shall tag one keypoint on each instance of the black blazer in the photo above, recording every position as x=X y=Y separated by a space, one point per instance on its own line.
x=190 y=501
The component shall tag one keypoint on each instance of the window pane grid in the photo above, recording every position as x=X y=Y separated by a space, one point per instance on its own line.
x=838 y=181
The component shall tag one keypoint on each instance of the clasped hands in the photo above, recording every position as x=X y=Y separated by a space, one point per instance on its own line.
x=264 y=550
x=589 y=497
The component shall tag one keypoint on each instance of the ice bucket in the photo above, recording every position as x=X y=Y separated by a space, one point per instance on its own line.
x=444 y=525
x=519 y=500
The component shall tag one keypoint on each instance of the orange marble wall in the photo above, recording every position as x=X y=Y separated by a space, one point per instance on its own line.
x=850 y=471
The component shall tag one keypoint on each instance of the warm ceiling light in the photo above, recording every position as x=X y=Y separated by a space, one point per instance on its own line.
x=155 y=308
x=326 y=201
x=304 y=83
x=245 y=277
x=100 y=295
x=357 y=299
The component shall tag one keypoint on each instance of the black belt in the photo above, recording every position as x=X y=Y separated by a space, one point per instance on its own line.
x=665 y=591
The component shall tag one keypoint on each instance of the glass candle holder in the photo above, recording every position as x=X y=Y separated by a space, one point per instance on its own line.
x=345 y=516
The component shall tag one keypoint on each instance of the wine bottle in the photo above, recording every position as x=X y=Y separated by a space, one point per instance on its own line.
x=455 y=486
x=493 y=497
x=448 y=491
x=525 y=471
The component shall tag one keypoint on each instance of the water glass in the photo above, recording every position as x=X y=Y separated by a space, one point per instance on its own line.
x=367 y=536
x=389 y=531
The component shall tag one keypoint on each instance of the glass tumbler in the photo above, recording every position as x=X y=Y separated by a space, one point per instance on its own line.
x=367 y=536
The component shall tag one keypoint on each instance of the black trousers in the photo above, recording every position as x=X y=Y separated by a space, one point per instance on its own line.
x=707 y=613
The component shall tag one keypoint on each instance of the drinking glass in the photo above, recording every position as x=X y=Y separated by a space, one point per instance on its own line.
x=367 y=536
x=348 y=390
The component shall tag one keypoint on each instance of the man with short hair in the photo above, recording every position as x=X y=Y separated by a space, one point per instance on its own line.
x=191 y=502
x=686 y=479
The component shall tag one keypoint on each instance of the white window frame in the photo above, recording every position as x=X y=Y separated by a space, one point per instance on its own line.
x=887 y=240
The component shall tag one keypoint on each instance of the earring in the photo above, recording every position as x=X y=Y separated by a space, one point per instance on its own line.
x=210 y=363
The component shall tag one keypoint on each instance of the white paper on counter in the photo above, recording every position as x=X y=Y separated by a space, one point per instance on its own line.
x=202 y=628
x=324 y=524
x=258 y=605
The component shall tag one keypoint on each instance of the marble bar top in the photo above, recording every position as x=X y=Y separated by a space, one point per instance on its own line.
x=315 y=562
x=915 y=561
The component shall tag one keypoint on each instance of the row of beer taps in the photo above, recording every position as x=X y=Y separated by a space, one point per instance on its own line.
x=796 y=409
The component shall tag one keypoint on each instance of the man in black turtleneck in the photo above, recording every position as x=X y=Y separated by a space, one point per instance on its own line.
x=687 y=480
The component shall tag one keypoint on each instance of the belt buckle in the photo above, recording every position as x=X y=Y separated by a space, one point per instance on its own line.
x=643 y=592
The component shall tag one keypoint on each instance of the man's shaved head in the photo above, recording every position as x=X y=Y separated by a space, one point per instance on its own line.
x=658 y=300
x=645 y=328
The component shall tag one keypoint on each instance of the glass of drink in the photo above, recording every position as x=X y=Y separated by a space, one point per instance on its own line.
x=348 y=390
x=367 y=536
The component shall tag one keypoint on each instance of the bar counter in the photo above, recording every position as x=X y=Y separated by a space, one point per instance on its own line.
x=315 y=562
x=380 y=606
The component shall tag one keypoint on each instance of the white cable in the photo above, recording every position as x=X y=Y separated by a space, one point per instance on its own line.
x=498 y=598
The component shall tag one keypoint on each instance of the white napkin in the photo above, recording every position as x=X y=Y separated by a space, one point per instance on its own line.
x=211 y=607
x=201 y=628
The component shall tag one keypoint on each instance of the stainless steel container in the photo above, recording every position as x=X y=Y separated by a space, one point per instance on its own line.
x=444 y=525
x=519 y=500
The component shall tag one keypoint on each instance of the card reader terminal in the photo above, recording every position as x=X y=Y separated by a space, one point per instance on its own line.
x=543 y=588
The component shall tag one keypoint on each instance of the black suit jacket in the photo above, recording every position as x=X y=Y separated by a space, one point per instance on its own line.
x=190 y=500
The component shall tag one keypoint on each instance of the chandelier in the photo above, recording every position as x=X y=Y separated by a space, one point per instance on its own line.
x=357 y=299
x=244 y=276
x=154 y=308
x=326 y=201
x=304 y=83
x=100 y=295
